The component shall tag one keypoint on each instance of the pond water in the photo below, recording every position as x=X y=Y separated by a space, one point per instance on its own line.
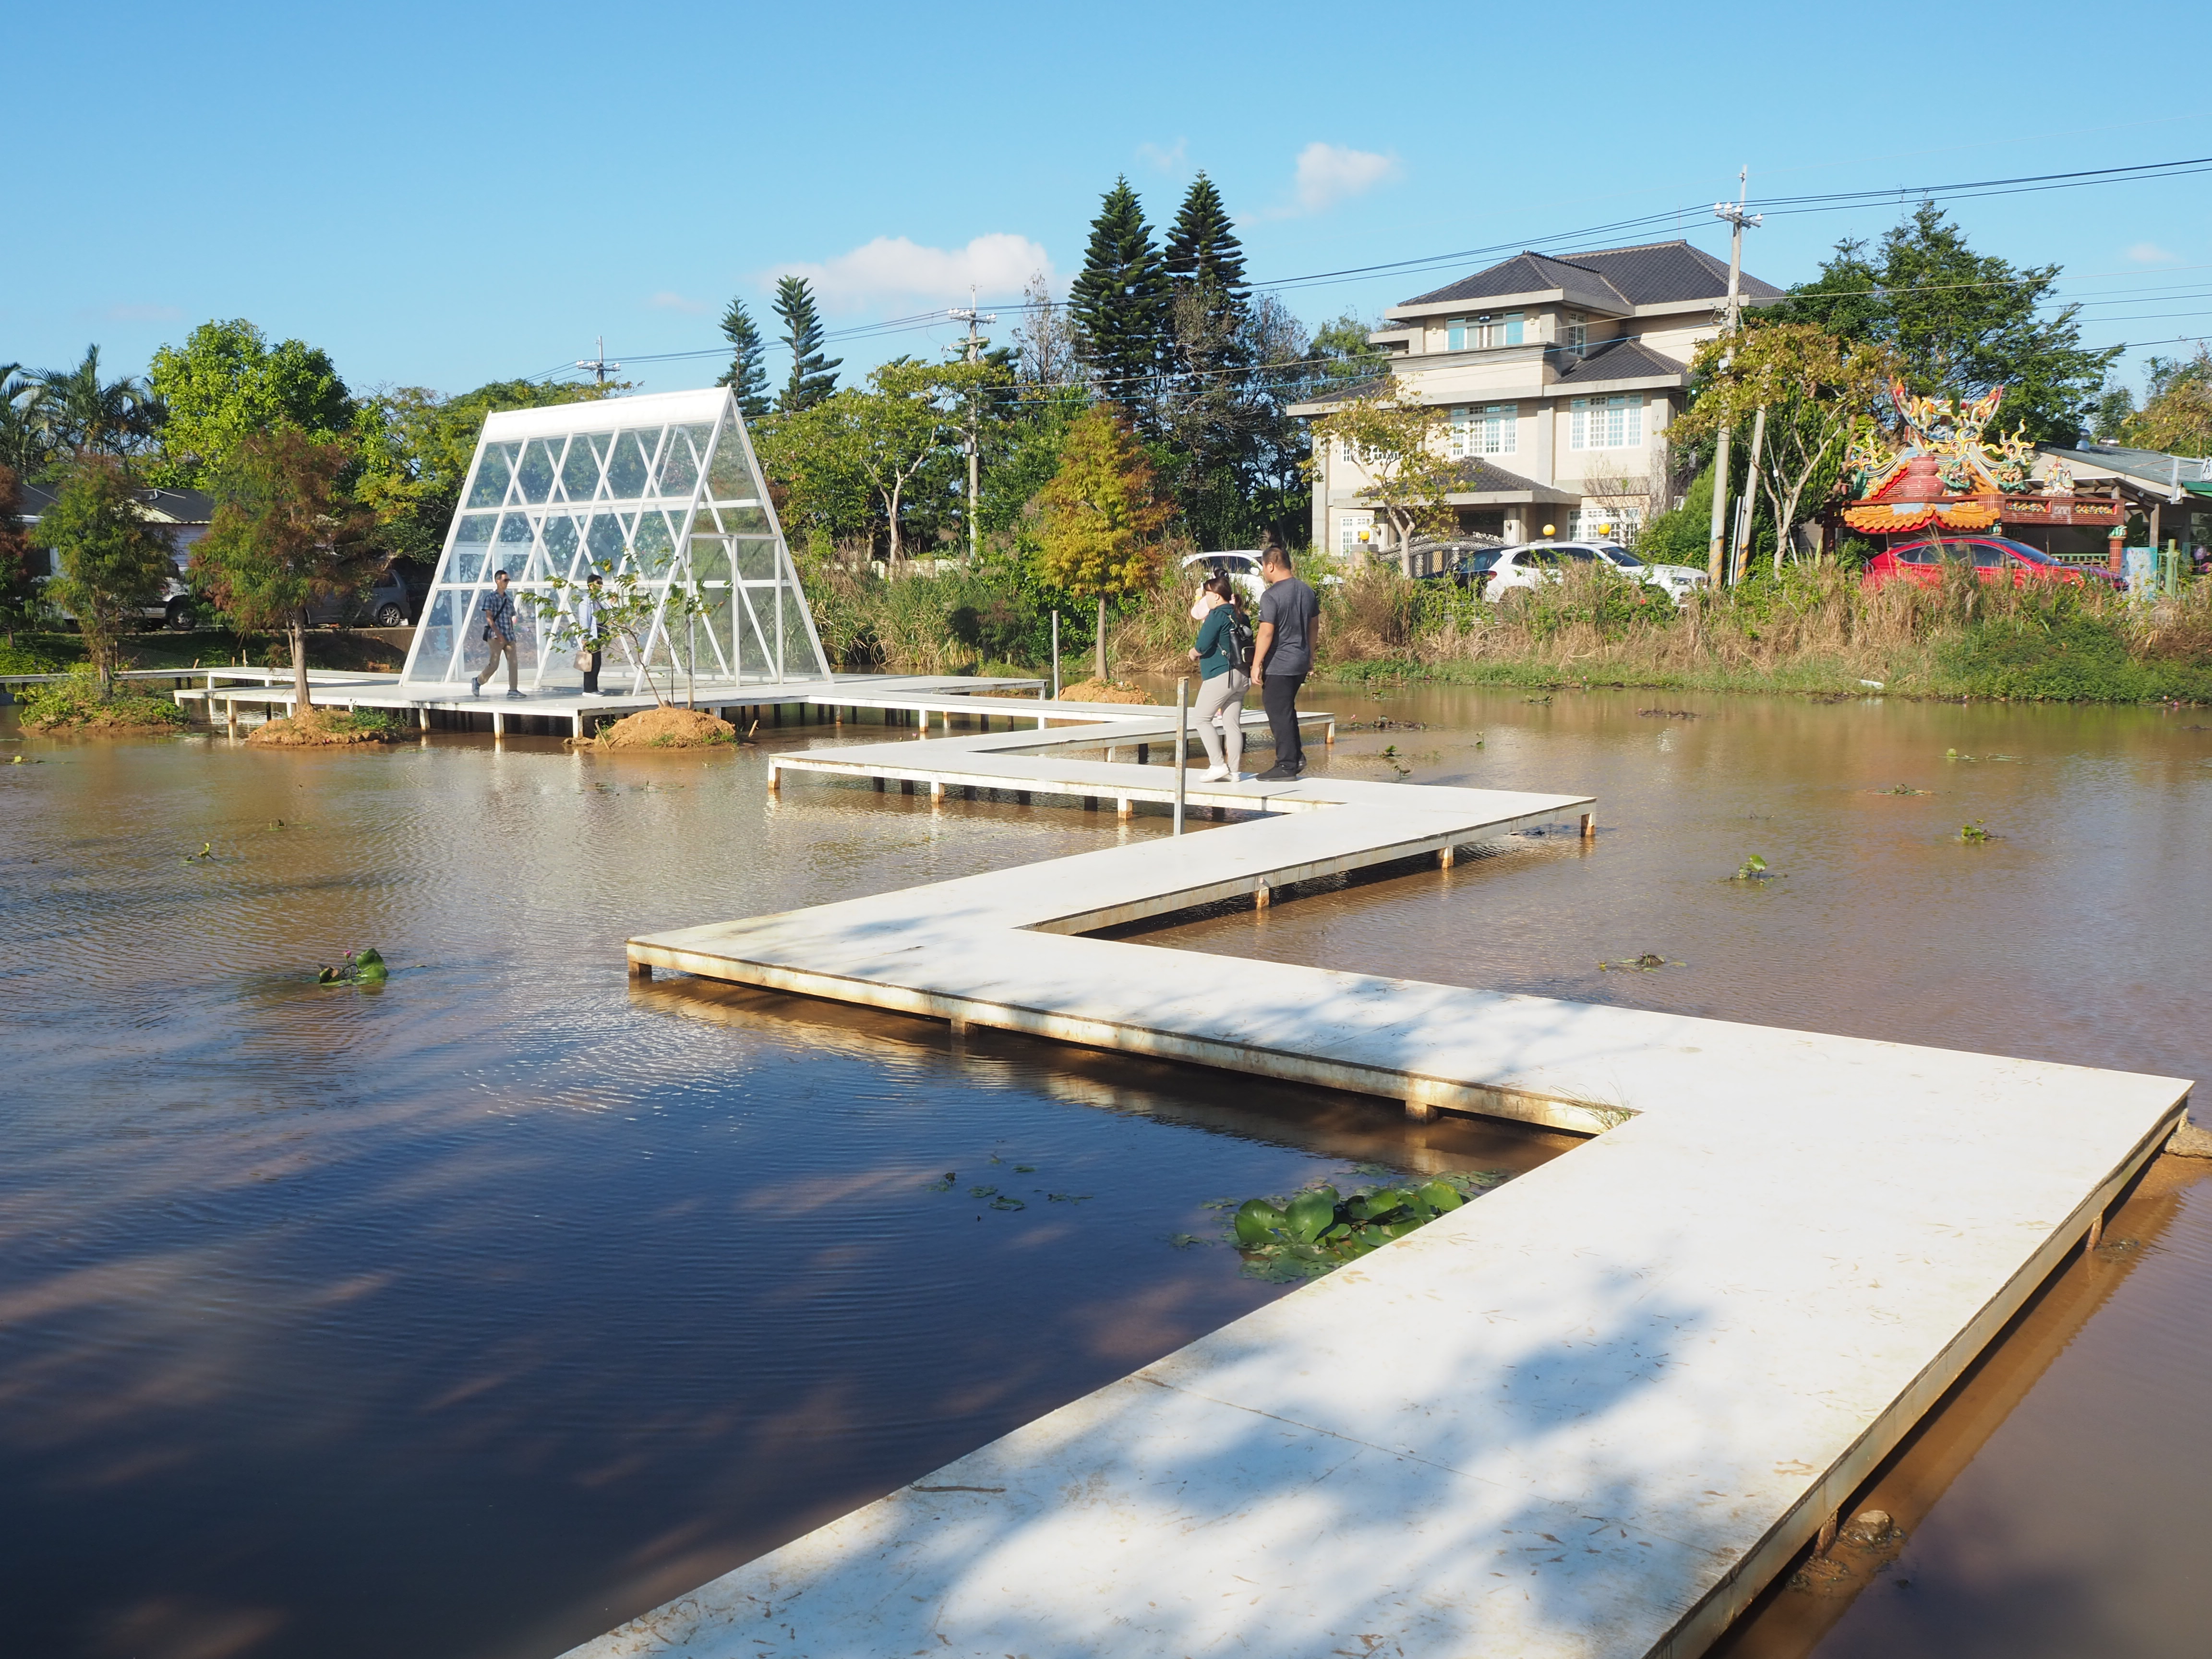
x=470 y=1317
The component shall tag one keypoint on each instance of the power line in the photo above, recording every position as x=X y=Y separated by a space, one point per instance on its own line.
x=1825 y=202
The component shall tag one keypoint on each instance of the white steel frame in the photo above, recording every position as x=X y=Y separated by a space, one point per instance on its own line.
x=665 y=485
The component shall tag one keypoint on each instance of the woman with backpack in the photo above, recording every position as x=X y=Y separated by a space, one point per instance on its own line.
x=1223 y=656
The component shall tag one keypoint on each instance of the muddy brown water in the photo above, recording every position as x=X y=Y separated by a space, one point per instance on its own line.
x=470 y=1316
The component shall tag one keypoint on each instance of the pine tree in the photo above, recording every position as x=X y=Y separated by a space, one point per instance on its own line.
x=747 y=377
x=1121 y=302
x=1203 y=251
x=813 y=377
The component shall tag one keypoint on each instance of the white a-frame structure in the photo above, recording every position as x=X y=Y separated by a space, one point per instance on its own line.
x=664 y=485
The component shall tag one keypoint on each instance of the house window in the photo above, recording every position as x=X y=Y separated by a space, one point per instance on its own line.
x=1607 y=422
x=1485 y=429
x=1603 y=523
x=1355 y=532
x=1575 y=335
x=1480 y=334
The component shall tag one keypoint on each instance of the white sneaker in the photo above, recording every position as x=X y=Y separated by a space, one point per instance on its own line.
x=1216 y=775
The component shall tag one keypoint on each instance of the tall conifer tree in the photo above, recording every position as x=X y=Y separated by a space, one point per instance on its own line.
x=1203 y=251
x=813 y=377
x=1121 y=300
x=748 y=375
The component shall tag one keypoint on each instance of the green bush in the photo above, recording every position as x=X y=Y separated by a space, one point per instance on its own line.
x=74 y=703
x=2061 y=652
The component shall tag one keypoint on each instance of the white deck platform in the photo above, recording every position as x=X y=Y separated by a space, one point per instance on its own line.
x=1590 y=1414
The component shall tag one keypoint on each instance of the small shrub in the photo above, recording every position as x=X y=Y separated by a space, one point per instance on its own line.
x=73 y=703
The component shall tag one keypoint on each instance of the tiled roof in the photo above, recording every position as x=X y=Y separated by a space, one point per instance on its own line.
x=1613 y=278
x=1621 y=360
x=1346 y=392
x=1662 y=273
x=1479 y=477
x=1531 y=273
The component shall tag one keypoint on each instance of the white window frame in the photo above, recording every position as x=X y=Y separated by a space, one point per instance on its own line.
x=1348 y=528
x=1485 y=429
x=1614 y=422
x=1486 y=331
x=1574 y=332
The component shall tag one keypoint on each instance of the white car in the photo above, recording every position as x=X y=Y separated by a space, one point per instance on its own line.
x=1502 y=570
x=1242 y=567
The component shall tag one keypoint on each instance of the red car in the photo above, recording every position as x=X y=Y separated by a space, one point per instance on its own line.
x=1995 y=558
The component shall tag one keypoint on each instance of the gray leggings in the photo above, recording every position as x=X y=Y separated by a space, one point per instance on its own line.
x=1222 y=695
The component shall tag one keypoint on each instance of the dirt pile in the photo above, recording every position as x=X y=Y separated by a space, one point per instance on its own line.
x=1104 y=691
x=666 y=727
x=323 y=728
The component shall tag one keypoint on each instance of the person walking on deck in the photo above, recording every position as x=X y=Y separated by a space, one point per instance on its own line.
x=499 y=634
x=1282 y=657
x=1224 y=645
x=587 y=629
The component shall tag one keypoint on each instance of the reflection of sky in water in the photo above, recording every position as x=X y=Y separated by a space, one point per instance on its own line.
x=544 y=1298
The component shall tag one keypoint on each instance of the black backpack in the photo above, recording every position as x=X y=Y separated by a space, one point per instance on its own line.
x=1240 y=641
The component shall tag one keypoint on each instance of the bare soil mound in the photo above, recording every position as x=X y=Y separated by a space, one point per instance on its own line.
x=1103 y=691
x=666 y=728
x=320 y=728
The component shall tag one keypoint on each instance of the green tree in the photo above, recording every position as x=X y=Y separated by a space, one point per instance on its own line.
x=1342 y=351
x=1203 y=255
x=23 y=446
x=227 y=384
x=1814 y=388
x=415 y=445
x=19 y=589
x=820 y=493
x=1959 y=322
x=75 y=409
x=2177 y=412
x=1121 y=302
x=1101 y=519
x=813 y=377
x=747 y=375
x=1400 y=445
x=113 y=563
x=287 y=536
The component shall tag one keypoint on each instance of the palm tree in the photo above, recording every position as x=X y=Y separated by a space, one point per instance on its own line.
x=23 y=447
x=77 y=410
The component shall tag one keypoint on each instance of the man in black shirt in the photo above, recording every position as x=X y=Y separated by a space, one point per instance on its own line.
x=1282 y=657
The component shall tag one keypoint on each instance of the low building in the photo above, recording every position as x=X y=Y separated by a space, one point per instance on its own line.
x=2170 y=495
x=185 y=513
x=1561 y=376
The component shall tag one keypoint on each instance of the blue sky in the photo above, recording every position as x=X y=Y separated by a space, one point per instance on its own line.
x=444 y=194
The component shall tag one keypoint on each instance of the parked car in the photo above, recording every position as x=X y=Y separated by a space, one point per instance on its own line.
x=1994 y=558
x=392 y=600
x=1502 y=570
x=1242 y=567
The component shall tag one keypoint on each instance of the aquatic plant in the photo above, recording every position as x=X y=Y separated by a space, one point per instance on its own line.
x=1974 y=834
x=1314 y=1231
x=362 y=967
x=1755 y=869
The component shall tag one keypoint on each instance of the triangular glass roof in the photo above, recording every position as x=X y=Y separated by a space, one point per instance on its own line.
x=624 y=483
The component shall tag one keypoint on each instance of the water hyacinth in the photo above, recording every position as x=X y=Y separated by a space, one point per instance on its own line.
x=1316 y=1231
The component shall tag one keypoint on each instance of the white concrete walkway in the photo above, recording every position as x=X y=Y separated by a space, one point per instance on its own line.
x=1590 y=1414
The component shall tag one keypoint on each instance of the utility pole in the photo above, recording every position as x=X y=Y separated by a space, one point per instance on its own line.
x=600 y=366
x=970 y=316
x=1737 y=218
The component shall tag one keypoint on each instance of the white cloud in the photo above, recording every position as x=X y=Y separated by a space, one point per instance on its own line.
x=2150 y=254
x=894 y=270
x=1173 y=159
x=1329 y=173
x=666 y=300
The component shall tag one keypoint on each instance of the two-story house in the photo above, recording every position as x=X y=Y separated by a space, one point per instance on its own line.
x=1561 y=376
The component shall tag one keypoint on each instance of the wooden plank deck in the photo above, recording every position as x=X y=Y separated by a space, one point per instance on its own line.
x=1590 y=1414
